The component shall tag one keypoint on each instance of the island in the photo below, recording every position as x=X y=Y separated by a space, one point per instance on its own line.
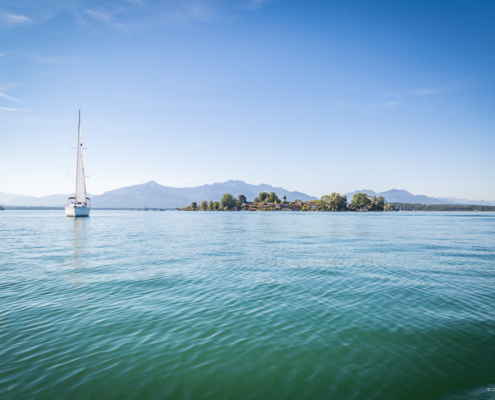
x=271 y=202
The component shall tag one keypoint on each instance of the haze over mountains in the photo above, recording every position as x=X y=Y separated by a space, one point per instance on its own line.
x=403 y=196
x=153 y=195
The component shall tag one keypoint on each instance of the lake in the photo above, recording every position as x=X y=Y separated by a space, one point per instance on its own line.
x=247 y=305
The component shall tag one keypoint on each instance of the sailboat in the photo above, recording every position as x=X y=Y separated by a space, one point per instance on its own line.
x=79 y=205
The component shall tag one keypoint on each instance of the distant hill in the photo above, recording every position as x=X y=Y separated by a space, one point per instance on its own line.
x=403 y=196
x=54 y=200
x=152 y=194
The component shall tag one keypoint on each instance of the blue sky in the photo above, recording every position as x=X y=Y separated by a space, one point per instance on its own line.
x=315 y=96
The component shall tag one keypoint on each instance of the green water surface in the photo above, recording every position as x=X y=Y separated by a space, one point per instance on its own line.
x=212 y=305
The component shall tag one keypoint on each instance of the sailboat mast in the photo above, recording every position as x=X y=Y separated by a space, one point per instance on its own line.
x=80 y=179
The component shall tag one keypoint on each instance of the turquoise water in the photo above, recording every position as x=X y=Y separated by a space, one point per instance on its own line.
x=183 y=305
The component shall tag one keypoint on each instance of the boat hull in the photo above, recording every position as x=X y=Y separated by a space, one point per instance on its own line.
x=77 y=211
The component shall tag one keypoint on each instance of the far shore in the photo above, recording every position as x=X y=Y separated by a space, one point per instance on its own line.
x=270 y=202
x=173 y=209
x=409 y=209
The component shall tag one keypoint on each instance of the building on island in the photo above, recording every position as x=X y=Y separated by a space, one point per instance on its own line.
x=312 y=204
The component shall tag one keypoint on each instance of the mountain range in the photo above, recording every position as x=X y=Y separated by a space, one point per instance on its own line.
x=403 y=196
x=152 y=195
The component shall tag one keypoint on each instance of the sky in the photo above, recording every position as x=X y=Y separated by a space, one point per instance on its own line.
x=314 y=96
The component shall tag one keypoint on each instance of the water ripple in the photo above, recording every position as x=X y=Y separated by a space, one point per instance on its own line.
x=128 y=305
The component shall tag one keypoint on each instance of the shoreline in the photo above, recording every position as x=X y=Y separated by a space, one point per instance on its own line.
x=292 y=211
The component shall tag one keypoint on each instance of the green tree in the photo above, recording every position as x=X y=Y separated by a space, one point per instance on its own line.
x=337 y=202
x=379 y=203
x=216 y=205
x=210 y=206
x=194 y=205
x=272 y=198
x=372 y=206
x=296 y=201
x=325 y=198
x=305 y=207
x=389 y=207
x=241 y=199
x=256 y=200
x=361 y=200
x=204 y=205
x=228 y=201
x=263 y=197
x=320 y=204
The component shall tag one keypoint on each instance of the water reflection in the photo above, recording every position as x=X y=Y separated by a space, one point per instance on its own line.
x=78 y=260
x=79 y=233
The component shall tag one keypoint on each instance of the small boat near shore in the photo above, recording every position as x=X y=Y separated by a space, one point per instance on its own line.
x=79 y=205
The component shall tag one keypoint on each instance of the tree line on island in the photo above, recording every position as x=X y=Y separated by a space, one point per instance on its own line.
x=270 y=202
x=207 y=206
x=438 y=207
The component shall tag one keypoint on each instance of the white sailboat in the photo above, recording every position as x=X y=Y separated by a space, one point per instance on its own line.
x=79 y=205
